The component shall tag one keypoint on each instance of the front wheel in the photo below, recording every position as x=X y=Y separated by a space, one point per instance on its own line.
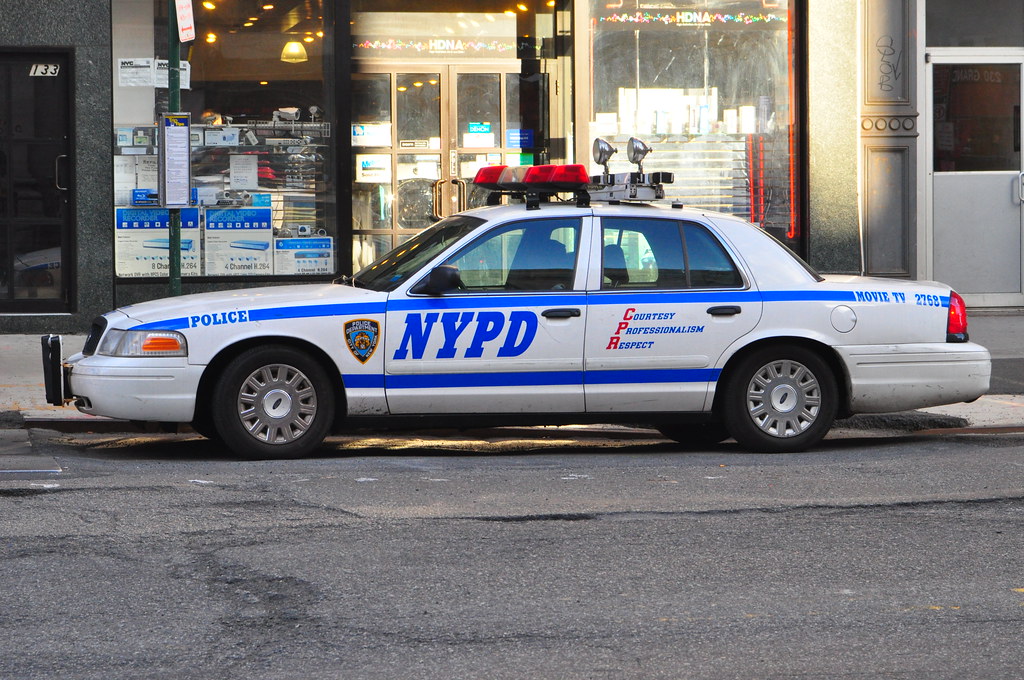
x=780 y=399
x=273 y=402
x=695 y=436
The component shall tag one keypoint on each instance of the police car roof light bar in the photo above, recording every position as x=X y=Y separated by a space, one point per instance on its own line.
x=487 y=177
x=536 y=183
x=569 y=177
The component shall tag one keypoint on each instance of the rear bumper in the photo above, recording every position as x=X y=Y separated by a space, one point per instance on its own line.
x=885 y=378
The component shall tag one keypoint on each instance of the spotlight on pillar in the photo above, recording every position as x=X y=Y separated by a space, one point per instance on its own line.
x=636 y=150
x=603 y=151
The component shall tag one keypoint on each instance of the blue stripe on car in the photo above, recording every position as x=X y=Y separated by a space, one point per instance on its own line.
x=515 y=301
x=275 y=313
x=528 y=378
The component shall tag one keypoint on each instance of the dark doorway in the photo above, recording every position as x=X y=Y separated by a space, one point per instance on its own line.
x=36 y=173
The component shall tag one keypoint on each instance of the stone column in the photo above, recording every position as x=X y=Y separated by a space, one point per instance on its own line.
x=888 y=137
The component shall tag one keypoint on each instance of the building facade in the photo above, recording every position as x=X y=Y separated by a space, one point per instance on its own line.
x=866 y=135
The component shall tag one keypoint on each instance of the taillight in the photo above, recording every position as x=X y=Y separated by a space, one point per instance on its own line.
x=956 y=323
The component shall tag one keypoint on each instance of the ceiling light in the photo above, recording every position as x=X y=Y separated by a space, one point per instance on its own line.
x=211 y=37
x=308 y=39
x=294 y=52
x=268 y=6
x=247 y=23
x=209 y=5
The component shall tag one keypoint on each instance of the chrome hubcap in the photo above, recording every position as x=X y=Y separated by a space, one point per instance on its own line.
x=783 y=398
x=277 y=403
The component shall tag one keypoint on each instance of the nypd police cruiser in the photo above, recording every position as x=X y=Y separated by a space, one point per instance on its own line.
x=602 y=307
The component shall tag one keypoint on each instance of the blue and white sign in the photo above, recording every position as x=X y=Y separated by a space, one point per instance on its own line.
x=519 y=139
x=142 y=241
x=238 y=241
x=309 y=255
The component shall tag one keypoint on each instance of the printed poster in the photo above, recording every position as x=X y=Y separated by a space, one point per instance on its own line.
x=239 y=242
x=142 y=240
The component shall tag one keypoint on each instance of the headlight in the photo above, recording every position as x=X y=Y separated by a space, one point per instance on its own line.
x=117 y=343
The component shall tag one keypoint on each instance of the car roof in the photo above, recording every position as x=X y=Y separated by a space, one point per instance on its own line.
x=563 y=208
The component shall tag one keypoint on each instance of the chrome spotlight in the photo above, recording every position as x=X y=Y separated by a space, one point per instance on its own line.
x=636 y=150
x=603 y=151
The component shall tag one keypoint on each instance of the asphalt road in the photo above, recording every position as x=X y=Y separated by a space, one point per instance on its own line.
x=1007 y=376
x=513 y=554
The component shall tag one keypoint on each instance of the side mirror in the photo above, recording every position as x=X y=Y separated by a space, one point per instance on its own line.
x=442 y=279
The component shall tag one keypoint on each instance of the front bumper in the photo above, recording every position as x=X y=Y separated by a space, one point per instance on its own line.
x=150 y=389
x=886 y=378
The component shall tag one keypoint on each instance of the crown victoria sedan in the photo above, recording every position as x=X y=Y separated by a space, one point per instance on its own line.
x=542 y=312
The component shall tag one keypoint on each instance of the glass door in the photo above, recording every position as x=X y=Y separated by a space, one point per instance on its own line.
x=35 y=177
x=418 y=138
x=976 y=178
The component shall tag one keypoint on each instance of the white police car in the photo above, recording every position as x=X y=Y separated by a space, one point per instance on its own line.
x=547 y=311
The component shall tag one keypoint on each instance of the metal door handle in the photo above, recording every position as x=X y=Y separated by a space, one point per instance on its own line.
x=463 y=193
x=561 y=313
x=56 y=172
x=724 y=310
x=435 y=193
x=1020 y=187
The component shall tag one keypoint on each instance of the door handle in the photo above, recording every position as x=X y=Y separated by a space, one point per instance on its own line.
x=435 y=194
x=724 y=310
x=56 y=172
x=1020 y=187
x=560 y=313
x=463 y=193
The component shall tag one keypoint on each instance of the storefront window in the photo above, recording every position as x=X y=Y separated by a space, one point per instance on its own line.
x=988 y=23
x=709 y=85
x=256 y=83
x=438 y=94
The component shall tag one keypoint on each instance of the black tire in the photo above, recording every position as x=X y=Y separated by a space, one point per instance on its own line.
x=273 y=402
x=780 y=400
x=203 y=425
x=696 y=435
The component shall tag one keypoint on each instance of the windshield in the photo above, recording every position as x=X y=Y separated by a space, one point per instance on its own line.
x=392 y=269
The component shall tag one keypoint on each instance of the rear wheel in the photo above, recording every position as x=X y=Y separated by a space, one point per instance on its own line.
x=273 y=402
x=780 y=399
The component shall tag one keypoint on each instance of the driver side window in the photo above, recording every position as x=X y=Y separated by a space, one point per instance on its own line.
x=534 y=255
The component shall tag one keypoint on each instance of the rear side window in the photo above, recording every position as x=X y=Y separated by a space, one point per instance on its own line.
x=663 y=255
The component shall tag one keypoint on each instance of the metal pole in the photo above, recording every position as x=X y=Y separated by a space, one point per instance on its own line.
x=174 y=106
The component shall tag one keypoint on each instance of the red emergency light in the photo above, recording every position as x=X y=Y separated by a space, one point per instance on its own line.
x=532 y=178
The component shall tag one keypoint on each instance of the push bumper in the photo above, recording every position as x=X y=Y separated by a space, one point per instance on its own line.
x=55 y=373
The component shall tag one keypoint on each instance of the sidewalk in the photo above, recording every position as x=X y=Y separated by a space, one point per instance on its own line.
x=22 y=394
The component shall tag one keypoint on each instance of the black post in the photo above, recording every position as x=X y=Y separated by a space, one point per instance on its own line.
x=173 y=106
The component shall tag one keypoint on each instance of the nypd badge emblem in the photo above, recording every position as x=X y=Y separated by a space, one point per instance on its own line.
x=362 y=336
